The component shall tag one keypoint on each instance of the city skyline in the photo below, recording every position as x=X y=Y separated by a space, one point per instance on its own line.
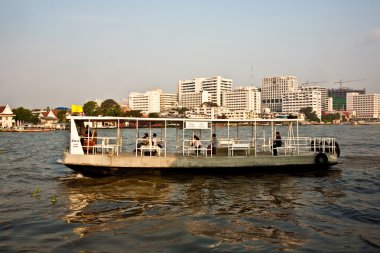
x=62 y=53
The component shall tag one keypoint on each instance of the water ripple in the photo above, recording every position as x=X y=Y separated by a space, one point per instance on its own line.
x=337 y=210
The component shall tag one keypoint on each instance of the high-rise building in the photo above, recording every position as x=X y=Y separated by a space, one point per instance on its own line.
x=153 y=101
x=339 y=97
x=214 y=86
x=294 y=101
x=148 y=102
x=189 y=86
x=192 y=100
x=329 y=104
x=243 y=99
x=168 y=101
x=364 y=106
x=273 y=89
x=322 y=90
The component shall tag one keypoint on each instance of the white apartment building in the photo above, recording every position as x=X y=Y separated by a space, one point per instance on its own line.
x=214 y=86
x=153 y=101
x=195 y=99
x=168 y=101
x=322 y=90
x=294 y=101
x=207 y=112
x=243 y=99
x=329 y=104
x=241 y=115
x=189 y=86
x=148 y=102
x=350 y=101
x=365 y=106
x=273 y=88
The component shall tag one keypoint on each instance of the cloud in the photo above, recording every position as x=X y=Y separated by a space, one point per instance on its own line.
x=374 y=35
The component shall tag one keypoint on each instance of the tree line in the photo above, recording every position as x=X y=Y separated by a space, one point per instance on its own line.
x=110 y=107
x=311 y=115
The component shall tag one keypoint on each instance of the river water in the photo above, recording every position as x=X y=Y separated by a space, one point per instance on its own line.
x=45 y=207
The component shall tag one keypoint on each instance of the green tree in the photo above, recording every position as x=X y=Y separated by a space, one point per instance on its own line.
x=61 y=116
x=110 y=108
x=153 y=115
x=25 y=115
x=90 y=108
x=181 y=110
x=310 y=115
x=133 y=113
x=330 y=117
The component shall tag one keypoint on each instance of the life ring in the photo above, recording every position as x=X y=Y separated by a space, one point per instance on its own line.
x=337 y=149
x=321 y=160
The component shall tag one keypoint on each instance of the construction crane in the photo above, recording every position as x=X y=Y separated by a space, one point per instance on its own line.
x=341 y=82
x=307 y=82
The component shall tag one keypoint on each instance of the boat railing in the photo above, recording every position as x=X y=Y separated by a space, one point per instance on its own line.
x=308 y=144
x=290 y=146
x=297 y=145
x=103 y=145
x=323 y=144
x=262 y=144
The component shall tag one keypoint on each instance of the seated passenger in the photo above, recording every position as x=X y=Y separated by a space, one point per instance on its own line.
x=277 y=143
x=88 y=140
x=155 y=141
x=144 y=142
x=197 y=145
x=193 y=141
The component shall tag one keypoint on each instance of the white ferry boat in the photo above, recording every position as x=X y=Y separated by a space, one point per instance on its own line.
x=183 y=145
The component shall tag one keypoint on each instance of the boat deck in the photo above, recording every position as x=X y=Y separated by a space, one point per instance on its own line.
x=182 y=150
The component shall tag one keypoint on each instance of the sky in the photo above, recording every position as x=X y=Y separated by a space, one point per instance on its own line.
x=57 y=53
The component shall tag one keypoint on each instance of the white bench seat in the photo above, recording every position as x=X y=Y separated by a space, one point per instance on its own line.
x=151 y=149
x=192 y=150
x=239 y=146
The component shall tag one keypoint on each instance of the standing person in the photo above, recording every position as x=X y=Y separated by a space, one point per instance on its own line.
x=213 y=144
x=276 y=143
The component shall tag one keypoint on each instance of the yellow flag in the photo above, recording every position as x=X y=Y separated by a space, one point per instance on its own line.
x=76 y=108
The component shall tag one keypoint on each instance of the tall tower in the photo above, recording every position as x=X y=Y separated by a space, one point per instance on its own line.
x=214 y=86
x=189 y=86
x=272 y=91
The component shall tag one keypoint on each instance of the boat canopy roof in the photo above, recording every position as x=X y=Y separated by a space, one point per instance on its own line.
x=111 y=118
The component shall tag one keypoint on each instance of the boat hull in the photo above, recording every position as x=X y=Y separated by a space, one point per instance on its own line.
x=104 y=165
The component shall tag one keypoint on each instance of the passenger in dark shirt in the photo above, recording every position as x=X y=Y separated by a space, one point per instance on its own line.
x=276 y=143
